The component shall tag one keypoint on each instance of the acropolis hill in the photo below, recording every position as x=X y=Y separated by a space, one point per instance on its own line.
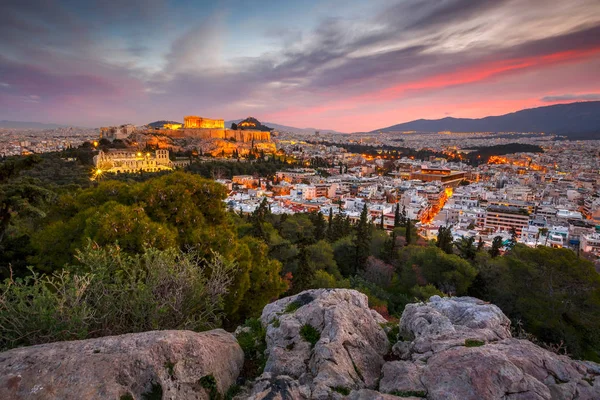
x=205 y=128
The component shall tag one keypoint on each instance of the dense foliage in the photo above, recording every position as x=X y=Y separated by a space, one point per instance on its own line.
x=173 y=230
x=108 y=292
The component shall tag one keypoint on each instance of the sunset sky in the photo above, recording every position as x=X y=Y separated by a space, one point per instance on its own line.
x=347 y=65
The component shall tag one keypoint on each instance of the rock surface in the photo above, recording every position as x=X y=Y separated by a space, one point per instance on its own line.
x=462 y=349
x=133 y=366
x=321 y=344
x=348 y=349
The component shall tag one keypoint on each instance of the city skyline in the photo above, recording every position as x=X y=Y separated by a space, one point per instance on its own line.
x=337 y=65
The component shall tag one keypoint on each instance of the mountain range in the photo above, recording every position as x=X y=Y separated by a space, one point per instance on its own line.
x=574 y=120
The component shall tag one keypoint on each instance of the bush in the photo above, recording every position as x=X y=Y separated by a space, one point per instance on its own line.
x=111 y=293
x=252 y=341
x=310 y=334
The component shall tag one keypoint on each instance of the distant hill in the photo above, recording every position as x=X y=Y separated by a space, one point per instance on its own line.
x=29 y=125
x=285 y=128
x=572 y=120
x=160 y=124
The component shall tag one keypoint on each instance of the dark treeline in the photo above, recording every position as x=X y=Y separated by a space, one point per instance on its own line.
x=482 y=154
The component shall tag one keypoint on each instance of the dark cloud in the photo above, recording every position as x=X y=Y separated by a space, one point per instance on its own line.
x=572 y=97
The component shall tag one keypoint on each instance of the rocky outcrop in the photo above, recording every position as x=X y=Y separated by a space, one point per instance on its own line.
x=461 y=348
x=163 y=364
x=322 y=343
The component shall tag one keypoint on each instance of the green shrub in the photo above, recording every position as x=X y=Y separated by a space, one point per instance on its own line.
x=473 y=343
x=209 y=383
x=291 y=307
x=112 y=293
x=155 y=393
x=409 y=393
x=252 y=341
x=310 y=334
x=392 y=329
x=341 y=390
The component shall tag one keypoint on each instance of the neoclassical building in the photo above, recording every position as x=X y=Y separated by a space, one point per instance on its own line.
x=123 y=161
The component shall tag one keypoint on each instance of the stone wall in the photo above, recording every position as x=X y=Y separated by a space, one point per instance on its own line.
x=245 y=136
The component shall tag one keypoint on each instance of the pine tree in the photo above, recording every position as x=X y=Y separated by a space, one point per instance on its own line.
x=403 y=216
x=480 y=244
x=408 y=234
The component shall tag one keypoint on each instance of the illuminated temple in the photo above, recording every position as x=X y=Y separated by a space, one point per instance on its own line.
x=206 y=128
x=194 y=122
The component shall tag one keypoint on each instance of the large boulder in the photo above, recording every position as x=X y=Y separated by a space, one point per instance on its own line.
x=326 y=339
x=164 y=364
x=462 y=349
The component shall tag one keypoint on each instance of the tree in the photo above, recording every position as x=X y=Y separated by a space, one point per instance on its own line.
x=141 y=214
x=444 y=239
x=389 y=254
x=513 y=238
x=480 y=244
x=256 y=283
x=319 y=223
x=320 y=256
x=305 y=273
x=544 y=232
x=496 y=246
x=19 y=197
x=408 y=233
x=466 y=247
x=330 y=224
x=554 y=294
x=234 y=126
x=448 y=272
x=397 y=216
x=362 y=239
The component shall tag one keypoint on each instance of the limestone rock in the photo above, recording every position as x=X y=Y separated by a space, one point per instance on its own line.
x=173 y=363
x=366 y=394
x=462 y=350
x=349 y=348
x=401 y=376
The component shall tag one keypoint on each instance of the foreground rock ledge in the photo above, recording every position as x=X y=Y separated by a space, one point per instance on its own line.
x=133 y=366
x=457 y=348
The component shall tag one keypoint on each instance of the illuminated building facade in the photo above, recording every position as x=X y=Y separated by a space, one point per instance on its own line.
x=506 y=217
x=121 y=161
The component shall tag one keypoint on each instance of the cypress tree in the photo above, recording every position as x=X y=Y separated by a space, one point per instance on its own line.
x=408 y=234
x=397 y=221
x=330 y=224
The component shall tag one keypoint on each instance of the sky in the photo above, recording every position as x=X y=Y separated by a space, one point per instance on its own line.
x=346 y=65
